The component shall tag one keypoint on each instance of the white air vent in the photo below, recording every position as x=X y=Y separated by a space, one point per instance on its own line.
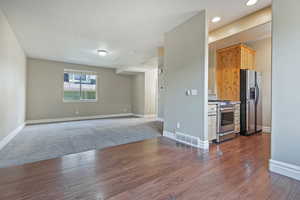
x=187 y=139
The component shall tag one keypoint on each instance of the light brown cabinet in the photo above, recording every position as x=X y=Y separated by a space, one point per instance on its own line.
x=229 y=62
x=247 y=58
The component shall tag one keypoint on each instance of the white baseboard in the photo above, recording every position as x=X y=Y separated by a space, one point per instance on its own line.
x=10 y=136
x=169 y=135
x=289 y=170
x=201 y=144
x=266 y=129
x=43 y=121
x=145 y=116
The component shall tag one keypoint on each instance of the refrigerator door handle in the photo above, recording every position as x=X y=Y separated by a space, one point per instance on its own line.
x=247 y=117
x=257 y=94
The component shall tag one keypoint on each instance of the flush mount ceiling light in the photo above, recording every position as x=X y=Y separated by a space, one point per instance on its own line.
x=251 y=2
x=102 y=52
x=216 y=19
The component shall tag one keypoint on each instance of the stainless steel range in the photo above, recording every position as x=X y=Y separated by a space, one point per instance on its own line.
x=225 y=120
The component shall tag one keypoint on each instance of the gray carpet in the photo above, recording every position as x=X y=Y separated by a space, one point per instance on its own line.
x=46 y=141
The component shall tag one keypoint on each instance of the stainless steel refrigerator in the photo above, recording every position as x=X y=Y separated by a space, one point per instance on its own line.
x=251 y=104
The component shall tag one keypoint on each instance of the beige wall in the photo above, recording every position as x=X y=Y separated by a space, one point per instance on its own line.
x=12 y=81
x=264 y=65
x=161 y=83
x=138 y=94
x=144 y=93
x=45 y=92
x=151 y=84
x=212 y=64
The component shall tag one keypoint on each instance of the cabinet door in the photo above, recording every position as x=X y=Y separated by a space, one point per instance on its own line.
x=247 y=58
x=228 y=74
x=244 y=58
x=212 y=128
x=250 y=60
x=253 y=60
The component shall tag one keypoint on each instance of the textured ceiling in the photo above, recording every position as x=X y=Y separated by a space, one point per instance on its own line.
x=131 y=30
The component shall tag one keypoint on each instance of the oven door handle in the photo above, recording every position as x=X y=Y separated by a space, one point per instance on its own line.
x=227 y=111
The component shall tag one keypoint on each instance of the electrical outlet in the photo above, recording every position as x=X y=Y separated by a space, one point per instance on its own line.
x=178 y=125
x=77 y=112
x=125 y=110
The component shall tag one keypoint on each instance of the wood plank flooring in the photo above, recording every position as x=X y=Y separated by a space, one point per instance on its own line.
x=154 y=169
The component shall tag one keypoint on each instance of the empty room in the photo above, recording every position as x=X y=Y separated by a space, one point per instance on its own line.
x=153 y=100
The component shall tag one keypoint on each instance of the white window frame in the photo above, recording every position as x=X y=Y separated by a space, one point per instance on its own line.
x=81 y=100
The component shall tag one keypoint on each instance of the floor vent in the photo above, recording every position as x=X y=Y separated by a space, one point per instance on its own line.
x=187 y=139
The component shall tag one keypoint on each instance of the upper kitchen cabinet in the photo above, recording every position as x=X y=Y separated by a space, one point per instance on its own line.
x=229 y=62
x=247 y=57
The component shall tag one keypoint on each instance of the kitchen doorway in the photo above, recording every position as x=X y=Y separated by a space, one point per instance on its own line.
x=259 y=39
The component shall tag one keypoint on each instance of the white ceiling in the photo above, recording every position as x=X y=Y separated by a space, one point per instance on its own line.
x=131 y=30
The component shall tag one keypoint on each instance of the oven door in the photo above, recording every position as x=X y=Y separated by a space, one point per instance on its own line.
x=226 y=120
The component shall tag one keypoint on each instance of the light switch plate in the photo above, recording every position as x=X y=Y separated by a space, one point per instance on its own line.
x=194 y=92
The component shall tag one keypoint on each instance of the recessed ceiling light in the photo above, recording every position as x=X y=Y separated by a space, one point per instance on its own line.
x=216 y=19
x=102 y=52
x=251 y=2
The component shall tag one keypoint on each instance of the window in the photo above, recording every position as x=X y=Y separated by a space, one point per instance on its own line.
x=80 y=86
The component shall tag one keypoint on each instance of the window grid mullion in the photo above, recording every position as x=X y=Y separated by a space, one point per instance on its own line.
x=81 y=86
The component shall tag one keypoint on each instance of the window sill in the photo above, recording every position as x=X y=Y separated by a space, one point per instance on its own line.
x=80 y=101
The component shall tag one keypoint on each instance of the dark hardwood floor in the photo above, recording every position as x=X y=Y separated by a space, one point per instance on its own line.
x=154 y=169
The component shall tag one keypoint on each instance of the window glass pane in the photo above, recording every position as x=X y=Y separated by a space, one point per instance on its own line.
x=71 y=86
x=83 y=77
x=77 y=77
x=88 y=87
